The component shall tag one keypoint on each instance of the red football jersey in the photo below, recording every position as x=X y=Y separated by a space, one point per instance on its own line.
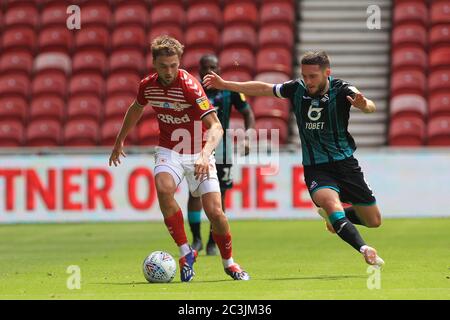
x=179 y=108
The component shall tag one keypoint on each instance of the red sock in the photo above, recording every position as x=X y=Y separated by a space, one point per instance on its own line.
x=224 y=244
x=175 y=225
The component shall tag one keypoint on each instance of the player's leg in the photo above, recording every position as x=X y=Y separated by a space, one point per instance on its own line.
x=194 y=216
x=369 y=215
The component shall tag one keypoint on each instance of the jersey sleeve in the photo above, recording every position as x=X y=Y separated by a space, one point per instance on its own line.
x=347 y=89
x=239 y=101
x=285 y=90
x=140 y=98
x=196 y=96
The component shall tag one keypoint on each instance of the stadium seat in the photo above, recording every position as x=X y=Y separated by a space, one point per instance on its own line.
x=96 y=14
x=20 y=61
x=407 y=131
x=274 y=59
x=132 y=13
x=408 y=105
x=81 y=133
x=53 y=61
x=49 y=82
x=276 y=35
x=92 y=37
x=89 y=60
x=439 y=81
x=129 y=37
x=84 y=107
x=202 y=35
x=117 y=105
x=54 y=15
x=438 y=133
x=148 y=132
x=17 y=84
x=172 y=30
x=191 y=58
x=55 y=39
x=264 y=127
x=86 y=83
x=272 y=77
x=237 y=59
x=42 y=133
x=19 y=38
x=204 y=12
x=122 y=82
x=440 y=12
x=47 y=107
x=409 y=58
x=271 y=107
x=410 y=12
x=408 y=81
x=277 y=12
x=238 y=35
x=439 y=35
x=109 y=131
x=439 y=58
x=238 y=75
x=245 y=12
x=25 y=15
x=127 y=60
x=13 y=108
x=439 y=104
x=409 y=34
x=11 y=133
x=170 y=13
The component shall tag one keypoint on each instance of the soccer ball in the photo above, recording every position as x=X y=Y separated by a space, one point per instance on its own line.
x=160 y=267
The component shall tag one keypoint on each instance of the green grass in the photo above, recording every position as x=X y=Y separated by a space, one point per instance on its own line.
x=286 y=260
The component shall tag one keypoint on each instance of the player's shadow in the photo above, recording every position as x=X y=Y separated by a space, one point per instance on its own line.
x=146 y=283
x=320 y=277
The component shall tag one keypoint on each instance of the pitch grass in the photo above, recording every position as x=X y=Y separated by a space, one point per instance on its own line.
x=286 y=260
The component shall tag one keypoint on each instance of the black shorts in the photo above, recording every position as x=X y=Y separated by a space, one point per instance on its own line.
x=225 y=177
x=345 y=177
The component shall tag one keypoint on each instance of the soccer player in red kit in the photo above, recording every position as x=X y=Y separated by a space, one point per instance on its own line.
x=184 y=116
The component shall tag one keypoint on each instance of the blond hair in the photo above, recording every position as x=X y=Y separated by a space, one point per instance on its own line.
x=166 y=46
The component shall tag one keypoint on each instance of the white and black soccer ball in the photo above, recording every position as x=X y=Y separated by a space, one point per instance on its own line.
x=160 y=267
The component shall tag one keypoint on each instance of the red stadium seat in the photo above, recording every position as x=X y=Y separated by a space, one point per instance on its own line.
x=204 y=12
x=191 y=58
x=49 y=82
x=408 y=105
x=47 y=107
x=439 y=104
x=202 y=35
x=239 y=36
x=410 y=12
x=245 y=12
x=265 y=127
x=16 y=84
x=171 y=13
x=237 y=59
x=271 y=107
x=409 y=34
x=272 y=77
x=122 y=82
x=87 y=83
x=279 y=12
x=25 y=15
x=439 y=35
x=440 y=12
x=148 y=132
x=11 y=133
x=42 y=133
x=133 y=13
x=54 y=15
x=439 y=81
x=409 y=58
x=55 y=39
x=438 y=132
x=117 y=105
x=109 y=131
x=238 y=75
x=173 y=30
x=407 y=131
x=408 y=81
x=440 y=58
x=19 y=38
x=92 y=37
x=89 y=60
x=129 y=37
x=53 y=61
x=17 y=62
x=131 y=60
x=274 y=59
x=96 y=14
x=81 y=133
x=84 y=107
x=13 y=108
x=276 y=35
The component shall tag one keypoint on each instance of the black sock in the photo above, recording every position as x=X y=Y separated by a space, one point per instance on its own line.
x=195 y=229
x=351 y=215
x=210 y=240
x=348 y=232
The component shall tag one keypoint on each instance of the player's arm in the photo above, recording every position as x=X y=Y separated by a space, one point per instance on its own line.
x=250 y=88
x=361 y=102
x=132 y=116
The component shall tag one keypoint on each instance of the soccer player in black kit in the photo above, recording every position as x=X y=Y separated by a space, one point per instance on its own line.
x=322 y=108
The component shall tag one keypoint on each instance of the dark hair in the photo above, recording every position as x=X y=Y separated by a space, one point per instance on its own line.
x=316 y=57
x=166 y=46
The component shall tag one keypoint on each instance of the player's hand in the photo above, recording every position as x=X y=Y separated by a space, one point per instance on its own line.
x=116 y=153
x=359 y=102
x=213 y=80
x=201 y=167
